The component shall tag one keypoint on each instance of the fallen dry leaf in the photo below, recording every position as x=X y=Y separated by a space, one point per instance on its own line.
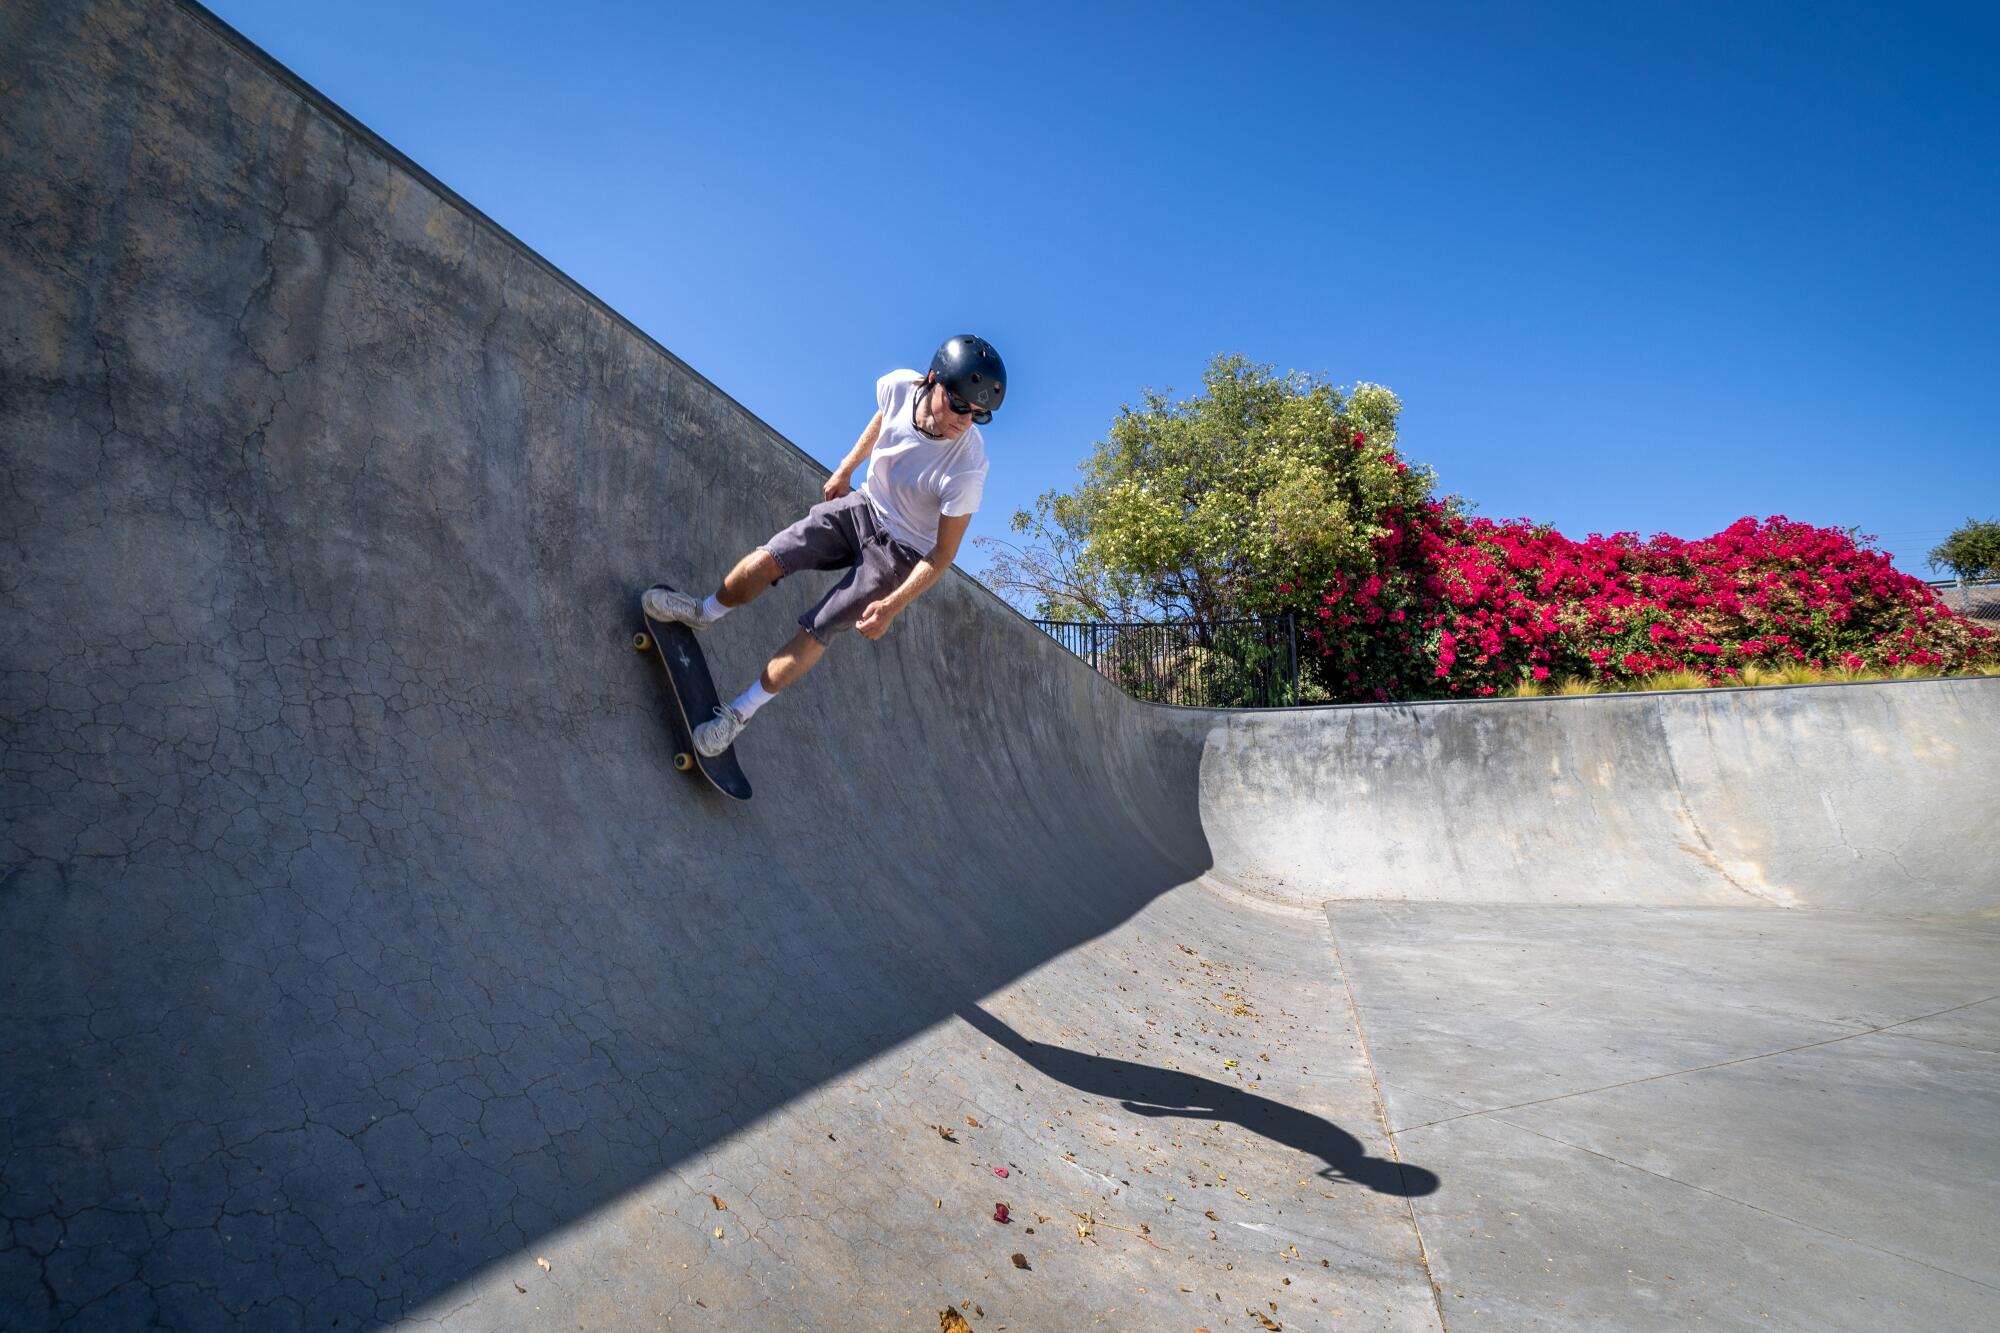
x=718 y=1233
x=1268 y=1322
x=1209 y=1213
x=720 y=1206
x=947 y=1133
x=1020 y=1261
x=973 y=1124
x=544 y=1265
x=951 y=1321
x=518 y=1287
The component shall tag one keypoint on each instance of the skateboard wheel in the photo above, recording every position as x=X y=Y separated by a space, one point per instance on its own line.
x=642 y=641
x=683 y=762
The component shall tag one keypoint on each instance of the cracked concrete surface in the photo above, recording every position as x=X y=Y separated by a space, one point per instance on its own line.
x=364 y=951
x=1739 y=1117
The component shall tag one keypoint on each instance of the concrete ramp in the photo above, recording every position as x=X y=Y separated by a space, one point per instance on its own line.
x=1876 y=798
x=367 y=963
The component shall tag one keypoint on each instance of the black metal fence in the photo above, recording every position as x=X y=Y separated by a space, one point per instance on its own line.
x=1977 y=598
x=1208 y=664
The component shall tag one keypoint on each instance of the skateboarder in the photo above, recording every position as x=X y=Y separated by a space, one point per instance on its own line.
x=895 y=536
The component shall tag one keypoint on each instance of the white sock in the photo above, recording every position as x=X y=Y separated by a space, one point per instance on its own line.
x=712 y=610
x=752 y=699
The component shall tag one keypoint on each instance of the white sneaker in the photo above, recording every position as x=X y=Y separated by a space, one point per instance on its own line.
x=662 y=603
x=720 y=732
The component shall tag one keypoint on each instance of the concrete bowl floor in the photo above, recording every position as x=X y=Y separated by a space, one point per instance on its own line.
x=1674 y=1118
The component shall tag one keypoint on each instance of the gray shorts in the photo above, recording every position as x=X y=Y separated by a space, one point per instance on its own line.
x=843 y=534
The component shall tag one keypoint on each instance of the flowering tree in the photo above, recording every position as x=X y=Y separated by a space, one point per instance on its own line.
x=1268 y=493
x=1467 y=606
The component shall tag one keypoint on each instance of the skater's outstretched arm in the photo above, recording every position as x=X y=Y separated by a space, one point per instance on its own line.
x=842 y=480
x=874 y=622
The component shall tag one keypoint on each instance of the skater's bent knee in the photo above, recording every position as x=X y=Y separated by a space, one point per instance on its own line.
x=753 y=573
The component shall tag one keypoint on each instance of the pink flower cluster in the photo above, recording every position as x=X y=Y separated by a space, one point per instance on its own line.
x=1466 y=606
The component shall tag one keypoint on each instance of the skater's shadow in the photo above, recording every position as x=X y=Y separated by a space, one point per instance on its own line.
x=1145 y=1090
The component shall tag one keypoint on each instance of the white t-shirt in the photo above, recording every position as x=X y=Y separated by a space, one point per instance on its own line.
x=912 y=478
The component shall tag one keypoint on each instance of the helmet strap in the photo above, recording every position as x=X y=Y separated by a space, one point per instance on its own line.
x=921 y=401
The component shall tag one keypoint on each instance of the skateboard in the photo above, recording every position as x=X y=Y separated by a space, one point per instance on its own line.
x=694 y=701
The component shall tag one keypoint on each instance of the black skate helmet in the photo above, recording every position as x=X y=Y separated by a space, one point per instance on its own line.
x=972 y=372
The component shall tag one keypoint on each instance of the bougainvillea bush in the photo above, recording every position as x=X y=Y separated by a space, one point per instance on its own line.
x=1456 y=606
x=1268 y=493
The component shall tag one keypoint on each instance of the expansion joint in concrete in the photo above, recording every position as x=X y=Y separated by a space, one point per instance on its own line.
x=1382 y=1119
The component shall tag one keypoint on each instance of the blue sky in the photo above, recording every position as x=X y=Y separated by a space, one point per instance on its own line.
x=1642 y=267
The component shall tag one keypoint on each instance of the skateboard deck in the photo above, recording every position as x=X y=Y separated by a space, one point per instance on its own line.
x=695 y=701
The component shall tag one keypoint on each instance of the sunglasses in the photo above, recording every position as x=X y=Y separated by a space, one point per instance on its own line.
x=965 y=409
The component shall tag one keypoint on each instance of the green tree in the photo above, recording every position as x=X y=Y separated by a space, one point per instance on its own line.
x=1972 y=552
x=1052 y=568
x=1221 y=504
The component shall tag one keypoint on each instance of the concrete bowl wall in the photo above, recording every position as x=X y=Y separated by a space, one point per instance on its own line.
x=1872 y=797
